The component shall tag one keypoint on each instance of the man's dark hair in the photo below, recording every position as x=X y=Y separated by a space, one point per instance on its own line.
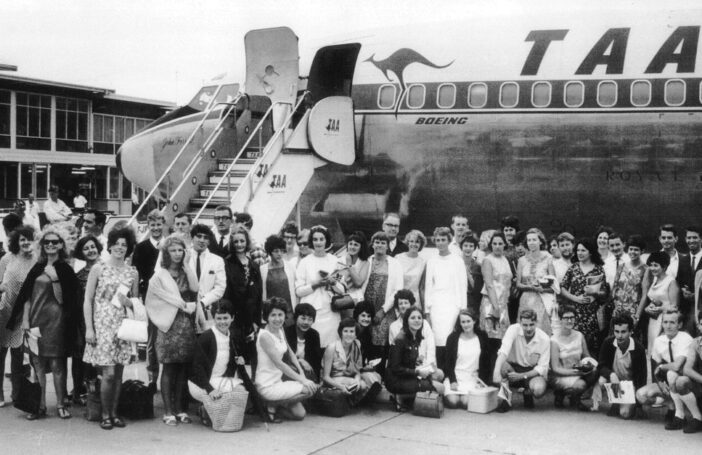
x=11 y=221
x=623 y=318
x=100 y=217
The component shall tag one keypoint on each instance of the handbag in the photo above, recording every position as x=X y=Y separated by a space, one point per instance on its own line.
x=136 y=401
x=428 y=404
x=331 y=402
x=227 y=412
x=133 y=330
x=28 y=396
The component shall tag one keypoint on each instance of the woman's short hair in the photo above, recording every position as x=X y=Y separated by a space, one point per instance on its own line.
x=380 y=236
x=468 y=237
x=274 y=303
x=405 y=294
x=659 y=257
x=540 y=235
x=416 y=234
x=601 y=229
x=11 y=221
x=240 y=231
x=344 y=324
x=470 y=313
x=78 y=252
x=636 y=241
x=122 y=233
x=494 y=236
x=305 y=309
x=360 y=238
x=443 y=231
x=363 y=307
x=324 y=231
x=274 y=242
x=510 y=221
x=173 y=239
x=290 y=227
x=60 y=233
x=13 y=243
x=222 y=306
x=591 y=247
x=405 y=323
x=566 y=308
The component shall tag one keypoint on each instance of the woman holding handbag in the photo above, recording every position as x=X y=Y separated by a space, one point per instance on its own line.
x=106 y=299
x=47 y=305
x=170 y=304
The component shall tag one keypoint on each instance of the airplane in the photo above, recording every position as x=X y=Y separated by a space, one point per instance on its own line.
x=566 y=119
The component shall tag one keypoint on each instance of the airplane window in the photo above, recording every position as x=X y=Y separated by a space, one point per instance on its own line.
x=509 y=94
x=386 y=96
x=640 y=93
x=675 y=92
x=446 y=96
x=607 y=93
x=477 y=95
x=574 y=94
x=541 y=94
x=415 y=96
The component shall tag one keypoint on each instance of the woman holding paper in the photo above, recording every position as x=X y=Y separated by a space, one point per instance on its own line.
x=584 y=285
x=106 y=297
x=170 y=304
x=664 y=294
x=47 y=305
x=536 y=280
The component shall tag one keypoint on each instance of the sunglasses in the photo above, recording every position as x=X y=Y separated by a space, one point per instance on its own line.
x=52 y=242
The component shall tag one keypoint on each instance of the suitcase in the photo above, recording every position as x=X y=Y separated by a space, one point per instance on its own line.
x=331 y=402
x=136 y=401
x=482 y=400
x=428 y=404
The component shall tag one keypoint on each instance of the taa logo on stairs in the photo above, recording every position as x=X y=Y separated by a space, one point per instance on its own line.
x=278 y=181
x=333 y=125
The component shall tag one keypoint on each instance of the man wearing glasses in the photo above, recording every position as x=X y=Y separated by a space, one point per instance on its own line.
x=391 y=226
x=223 y=225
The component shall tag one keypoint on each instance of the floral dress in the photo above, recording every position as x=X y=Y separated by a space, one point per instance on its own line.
x=17 y=269
x=533 y=269
x=627 y=291
x=495 y=320
x=586 y=322
x=108 y=349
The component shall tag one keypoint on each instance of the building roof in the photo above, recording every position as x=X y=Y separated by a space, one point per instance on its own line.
x=99 y=92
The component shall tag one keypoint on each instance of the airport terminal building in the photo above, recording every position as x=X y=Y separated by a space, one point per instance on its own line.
x=55 y=133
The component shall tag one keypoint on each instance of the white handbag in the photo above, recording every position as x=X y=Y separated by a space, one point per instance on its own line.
x=133 y=330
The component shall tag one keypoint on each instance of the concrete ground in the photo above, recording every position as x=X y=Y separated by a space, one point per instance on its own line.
x=377 y=429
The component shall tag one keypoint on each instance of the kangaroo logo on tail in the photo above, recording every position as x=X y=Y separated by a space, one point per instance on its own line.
x=397 y=63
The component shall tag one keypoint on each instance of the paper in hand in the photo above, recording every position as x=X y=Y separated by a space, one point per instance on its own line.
x=121 y=290
x=625 y=394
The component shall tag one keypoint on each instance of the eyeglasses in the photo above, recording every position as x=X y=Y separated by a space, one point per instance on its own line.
x=396 y=226
x=568 y=318
x=222 y=218
x=52 y=242
x=301 y=243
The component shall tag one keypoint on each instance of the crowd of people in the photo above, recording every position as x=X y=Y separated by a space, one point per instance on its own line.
x=509 y=309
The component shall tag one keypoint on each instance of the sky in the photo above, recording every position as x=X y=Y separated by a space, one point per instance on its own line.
x=166 y=50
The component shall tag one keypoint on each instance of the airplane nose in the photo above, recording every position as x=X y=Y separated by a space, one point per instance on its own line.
x=135 y=159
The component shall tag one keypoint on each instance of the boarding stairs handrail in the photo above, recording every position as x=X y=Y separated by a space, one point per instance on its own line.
x=271 y=141
x=210 y=107
x=214 y=135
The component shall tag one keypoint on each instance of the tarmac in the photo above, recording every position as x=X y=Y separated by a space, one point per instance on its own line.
x=376 y=429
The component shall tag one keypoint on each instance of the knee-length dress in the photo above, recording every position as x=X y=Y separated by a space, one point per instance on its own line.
x=17 y=269
x=446 y=294
x=308 y=272
x=586 y=323
x=178 y=344
x=46 y=313
x=628 y=290
x=533 y=269
x=108 y=349
x=494 y=321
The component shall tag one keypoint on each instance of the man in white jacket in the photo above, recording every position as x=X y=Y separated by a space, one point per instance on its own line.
x=209 y=269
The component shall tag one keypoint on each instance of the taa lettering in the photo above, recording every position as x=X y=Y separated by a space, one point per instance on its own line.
x=278 y=181
x=333 y=125
x=262 y=170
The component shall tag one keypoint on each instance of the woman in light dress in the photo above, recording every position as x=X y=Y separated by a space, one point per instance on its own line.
x=663 y=294
x=414 y=265
x=531 y=268
x=355 y=273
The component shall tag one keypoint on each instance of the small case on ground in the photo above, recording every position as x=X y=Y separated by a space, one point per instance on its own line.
x=428 y=404
x=136 y=401
x=331 y=402
x=482 y=400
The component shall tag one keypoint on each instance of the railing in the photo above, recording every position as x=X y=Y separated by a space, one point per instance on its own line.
x=271 y=141
x=210 y=107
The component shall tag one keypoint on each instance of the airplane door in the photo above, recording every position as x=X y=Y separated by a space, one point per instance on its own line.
x=332 y=69
x=272 y=67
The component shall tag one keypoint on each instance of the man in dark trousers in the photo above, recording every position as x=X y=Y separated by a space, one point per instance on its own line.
x=145 y=257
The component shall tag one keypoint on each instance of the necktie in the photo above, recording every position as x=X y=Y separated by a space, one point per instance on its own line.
x=221 y=242
x=692 y=262
x=197 y=266
x=670 y=350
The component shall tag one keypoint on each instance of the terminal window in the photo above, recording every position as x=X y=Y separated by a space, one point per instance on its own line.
x=5 y=119
x=71 y=125
x=33 y=121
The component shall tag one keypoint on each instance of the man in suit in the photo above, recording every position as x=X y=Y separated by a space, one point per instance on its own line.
x=681 y=270
x=693 y=238
x=145 y=256
x=391 y=226
x=209 y=269
x=223 y=225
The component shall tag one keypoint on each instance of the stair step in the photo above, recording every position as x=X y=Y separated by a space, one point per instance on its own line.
x=240 y=166
x=206 y=190
x=214 y=202
x=233 y=179
x=249 y=161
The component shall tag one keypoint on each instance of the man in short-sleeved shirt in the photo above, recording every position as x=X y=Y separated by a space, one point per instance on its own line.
x=668 y=355
x=523 y=359
x=690 y=383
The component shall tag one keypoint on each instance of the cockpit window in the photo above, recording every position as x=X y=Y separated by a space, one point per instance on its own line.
x=226 y=94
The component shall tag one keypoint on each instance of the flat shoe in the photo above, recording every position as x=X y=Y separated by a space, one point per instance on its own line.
x=106 y=424
x=170 y=420
x=183 y=417
x=118 y=422
x=63 y=413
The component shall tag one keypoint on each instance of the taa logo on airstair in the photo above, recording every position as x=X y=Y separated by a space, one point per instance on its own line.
x=278 y=181
x=333 y=125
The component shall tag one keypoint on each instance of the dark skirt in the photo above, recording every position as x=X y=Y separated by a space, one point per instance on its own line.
x=178 y=344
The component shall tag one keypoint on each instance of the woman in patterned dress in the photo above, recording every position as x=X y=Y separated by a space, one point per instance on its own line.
x=586 y=297
x=630 y=286
x=497 y=275
x=108 y=281
x=171 y=304
x=21 y=259
x=531 y=268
